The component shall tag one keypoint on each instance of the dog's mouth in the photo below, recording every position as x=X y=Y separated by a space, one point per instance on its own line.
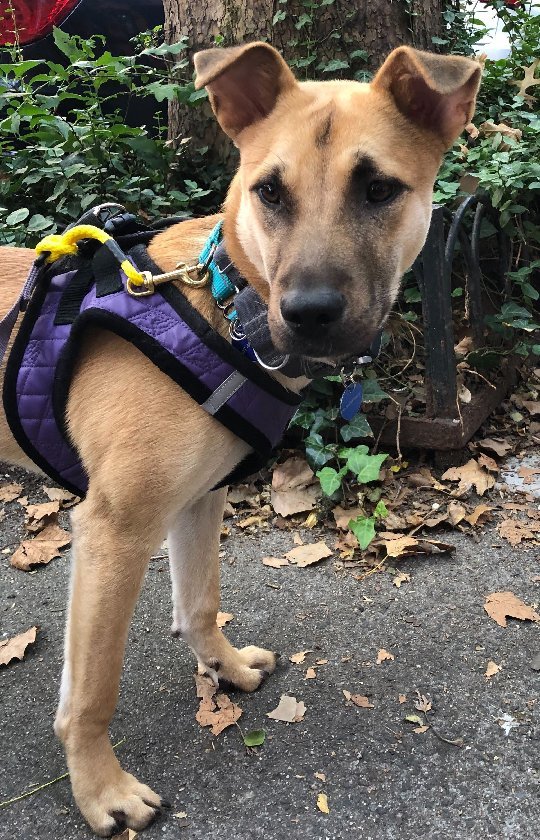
x=331 y=348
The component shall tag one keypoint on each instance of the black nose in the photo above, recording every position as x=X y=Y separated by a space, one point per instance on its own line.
x=310 y=311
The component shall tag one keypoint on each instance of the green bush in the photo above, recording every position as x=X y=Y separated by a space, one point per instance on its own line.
x=65 y=144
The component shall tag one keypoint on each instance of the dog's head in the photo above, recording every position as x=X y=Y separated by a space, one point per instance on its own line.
x=332 y=200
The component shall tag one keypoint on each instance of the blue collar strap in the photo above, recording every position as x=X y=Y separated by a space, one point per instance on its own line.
x=226 y=279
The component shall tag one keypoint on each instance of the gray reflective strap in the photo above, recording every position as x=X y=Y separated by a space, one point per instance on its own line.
x=8 y=321
x=224 y=392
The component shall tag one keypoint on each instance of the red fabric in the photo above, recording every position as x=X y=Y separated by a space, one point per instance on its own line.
x=33 y=18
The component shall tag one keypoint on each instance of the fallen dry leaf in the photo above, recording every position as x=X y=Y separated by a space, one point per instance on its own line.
x=289 y=502
x=320 y=776
x=528 y=474
x=481 y=512
x=533 y=407
x=42 y=549
x=400 y=545
x=492 y=669
x=383 y=654
x=343 y=516
x=422 y=703
x=275 y=562
x=38 y=516
x=223 y=618
x=305 y=555
x=499 y=605
x=421 y=729
x=218 y=713
x=322 y=803
x=127 y=834
x=298 y=658
x=294 y=472
x=401 y=577
x=456 y=512
x=402 y=698
x=470 y=475
x=58 y=494
x=499 y=447
x=205 y=685
x=488 y=129
x=359 y=700
x=515 y=531
x=14 y=648
x=10 y=492
x=310 y=674
x=288 y=710
x=241 y=493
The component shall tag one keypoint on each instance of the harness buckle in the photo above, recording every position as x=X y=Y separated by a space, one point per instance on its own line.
x=182 y=272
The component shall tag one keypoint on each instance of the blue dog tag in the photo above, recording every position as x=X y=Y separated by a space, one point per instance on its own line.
x=351 y=400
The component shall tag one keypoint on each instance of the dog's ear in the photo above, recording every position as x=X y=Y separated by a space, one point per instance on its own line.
x=437 y=92
x=243 y=83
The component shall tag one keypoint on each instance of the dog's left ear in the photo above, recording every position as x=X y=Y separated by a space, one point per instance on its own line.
x=437 y=92
x=243 y=83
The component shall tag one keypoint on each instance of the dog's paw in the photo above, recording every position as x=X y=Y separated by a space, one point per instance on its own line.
x=124 y=803
x=245 y=669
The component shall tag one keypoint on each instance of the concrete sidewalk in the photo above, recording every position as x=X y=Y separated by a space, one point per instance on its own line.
x=383 y=781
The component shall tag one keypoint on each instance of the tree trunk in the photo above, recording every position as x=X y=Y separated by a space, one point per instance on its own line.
x=339 y=39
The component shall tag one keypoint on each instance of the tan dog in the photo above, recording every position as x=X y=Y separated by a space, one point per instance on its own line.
x=330 y=206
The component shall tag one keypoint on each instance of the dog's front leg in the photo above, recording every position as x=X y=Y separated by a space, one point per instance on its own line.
x=111 y=553
x=194 y=561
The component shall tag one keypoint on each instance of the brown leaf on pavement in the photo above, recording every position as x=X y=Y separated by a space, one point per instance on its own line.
x=127 y=834
x=294 y=472
x=288 y=710
x=218 y=713
x=359 y=700
x=499 y=447
x=10 y=492
x=310 y=674
x=401 y=577
x=305 y=555
x=38 y=516
x=14 y=648
x=400 y=545
x=515 y=531
x=492 y=669
x=470 y=475
x=43 y=548
x=298 y=658
x=66 y=499
x=275 y=562
x=343 y=516
x=499 y=605
x=383 y=654
x=456 y=512
x=322 y=803
x=479 y=514
x=532 y=407
x=206 y=688
x=289 y=502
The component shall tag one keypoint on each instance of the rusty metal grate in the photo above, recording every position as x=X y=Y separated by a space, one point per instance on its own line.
x=447 y=425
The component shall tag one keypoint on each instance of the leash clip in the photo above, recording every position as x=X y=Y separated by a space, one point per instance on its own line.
x=182 y=272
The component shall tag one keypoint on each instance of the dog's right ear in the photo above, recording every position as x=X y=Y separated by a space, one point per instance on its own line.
x=243 y=83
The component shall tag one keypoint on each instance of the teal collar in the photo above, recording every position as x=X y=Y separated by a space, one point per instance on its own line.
x=226 y=281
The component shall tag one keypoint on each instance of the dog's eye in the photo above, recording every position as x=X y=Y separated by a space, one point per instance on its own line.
x=380 y=191
x=269 y=193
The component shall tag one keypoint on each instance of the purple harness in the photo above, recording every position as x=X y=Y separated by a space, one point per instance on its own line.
x=165 y=327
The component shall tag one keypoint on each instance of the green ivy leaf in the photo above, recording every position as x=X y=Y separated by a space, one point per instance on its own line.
x=255 y=738
x=363 y=528
x=18 y=216
x=381 y=511
x=335 y=64
x=357 y=428
x=317 y=452
x=365 y=467
x=330 y=479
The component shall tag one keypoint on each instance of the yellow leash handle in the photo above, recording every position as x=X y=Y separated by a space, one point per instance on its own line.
x=63 y=244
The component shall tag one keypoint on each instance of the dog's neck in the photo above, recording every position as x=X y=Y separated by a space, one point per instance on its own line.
x=183 y=242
